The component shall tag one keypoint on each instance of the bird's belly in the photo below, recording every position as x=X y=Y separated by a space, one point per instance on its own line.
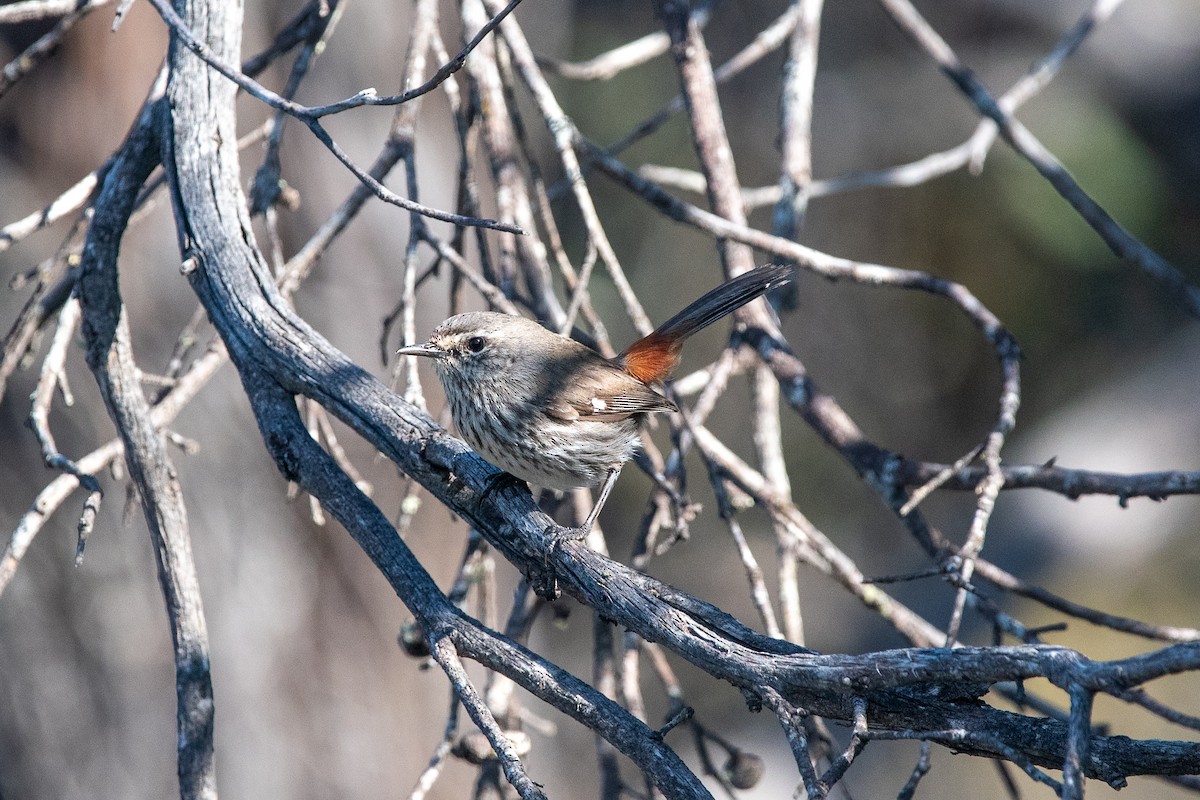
x=545 y=451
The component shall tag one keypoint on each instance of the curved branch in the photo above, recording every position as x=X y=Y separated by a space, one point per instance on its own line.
x=1124 y=244
x=261 y=333
x=278 y=354
x=109 y=354
x=181 y=34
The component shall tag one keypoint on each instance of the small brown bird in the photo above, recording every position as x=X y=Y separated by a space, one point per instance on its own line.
x=554 y=412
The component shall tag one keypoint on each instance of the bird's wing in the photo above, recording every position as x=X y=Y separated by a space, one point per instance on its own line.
x=610 y=396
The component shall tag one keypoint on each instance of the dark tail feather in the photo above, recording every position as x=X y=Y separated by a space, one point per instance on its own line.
x=724 y=299
x=652 y=357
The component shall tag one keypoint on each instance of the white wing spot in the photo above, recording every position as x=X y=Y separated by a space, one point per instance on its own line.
x=598 y=405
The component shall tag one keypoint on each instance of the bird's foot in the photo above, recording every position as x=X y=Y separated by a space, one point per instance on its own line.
x=545 y=584
x=560 y=534
x=496 y=481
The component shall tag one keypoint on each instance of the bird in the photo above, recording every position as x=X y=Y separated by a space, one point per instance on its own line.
x=552 y=411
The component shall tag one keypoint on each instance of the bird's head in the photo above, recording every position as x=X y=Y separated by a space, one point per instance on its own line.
x=481 y=344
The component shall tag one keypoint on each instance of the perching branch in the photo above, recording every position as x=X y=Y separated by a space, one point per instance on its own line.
x=514 y=135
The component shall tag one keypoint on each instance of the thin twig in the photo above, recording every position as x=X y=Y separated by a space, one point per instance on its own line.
x=46 y=45
x=444 y=653
x=816 y=548
x=796 y=91
x=437 y=760
x=564 y=134
x=957 y=737
x=788 y=715
x=609 y=64
x=311 y=118
x=66 y=203
x=909 y=790
x=53 y=377
x=754 y=573
x=765 y=42
x=1070 y=483
x=1119 y=240
x=858 y=741
x=1078 y=739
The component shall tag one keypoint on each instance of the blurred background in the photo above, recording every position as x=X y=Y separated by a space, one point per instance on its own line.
x=313 y=697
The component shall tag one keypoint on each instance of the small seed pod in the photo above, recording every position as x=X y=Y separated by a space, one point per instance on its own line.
x=412 y=640
x=743 y=770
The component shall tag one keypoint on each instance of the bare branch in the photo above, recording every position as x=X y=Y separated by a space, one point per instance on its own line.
x=1119 y=240
x=311 y=118
x=109 y=354
x=511 y=136
x=1070 y=483
x=45 y=46
x=443 y=653
x=629 y=55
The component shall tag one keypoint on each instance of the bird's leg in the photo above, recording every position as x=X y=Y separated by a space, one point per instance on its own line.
x=558 y=534
x=564 y=533
x=605 y=491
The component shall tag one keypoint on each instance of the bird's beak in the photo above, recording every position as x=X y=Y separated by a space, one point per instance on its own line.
x=427 y=350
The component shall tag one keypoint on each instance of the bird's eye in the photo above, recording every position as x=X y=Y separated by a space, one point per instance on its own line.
x=476 y=343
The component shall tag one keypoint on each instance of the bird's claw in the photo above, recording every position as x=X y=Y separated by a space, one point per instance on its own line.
x=545 y=584
x=495 y=481
x=558 y=534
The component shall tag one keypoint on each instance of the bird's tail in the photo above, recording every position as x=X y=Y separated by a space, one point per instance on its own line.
x=653 y=357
